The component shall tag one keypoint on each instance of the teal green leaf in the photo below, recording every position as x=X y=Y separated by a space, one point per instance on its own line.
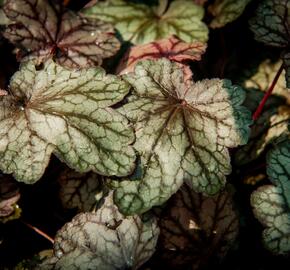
x=55 y=110
x=105 y=240
x=183 y=131
x=140 y=23
x=271 y=25
x=271 y=203
x=226 y=11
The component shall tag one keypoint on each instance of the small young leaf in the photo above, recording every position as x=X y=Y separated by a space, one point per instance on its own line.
x=194 y=229
x=271 y=203
x=42 y=30
x=272 y=26
x=171 y=48
x=183 y=130
x=105 y=240
x=226 y=11
x=140 y=24
x=65 y=112
x=80 y=190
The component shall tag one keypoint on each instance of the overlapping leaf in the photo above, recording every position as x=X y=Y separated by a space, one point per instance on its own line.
x=42 y=30
x=140 y=23
x=171 y=48
x=105 y=240
x=275 y=117
x=183 y=130
x=272 y=26
x=271 y=203
x=80 y=190
x=67 y=113
x=226 y=11
x=194 y=229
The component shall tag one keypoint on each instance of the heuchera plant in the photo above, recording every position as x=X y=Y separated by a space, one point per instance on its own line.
x=155 y=138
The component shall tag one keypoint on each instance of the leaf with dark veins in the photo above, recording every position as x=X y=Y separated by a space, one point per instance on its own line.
x=183 y=132
x=65 y=112
x=140 y=23
x=42 y=30
x=195 y=229
x=271 y=25
x=172 y=48
x=80 y=190
x=105 y=240
x=271 y=203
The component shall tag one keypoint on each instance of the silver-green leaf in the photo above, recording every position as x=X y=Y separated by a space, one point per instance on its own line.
x=65 y=112
x=271 y=203
x=105 y=240
x=183 y=132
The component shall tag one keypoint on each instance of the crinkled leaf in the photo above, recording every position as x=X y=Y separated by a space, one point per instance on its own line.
x=271 y=203
x=226 y=11
x=9 y=195
x=104 y=240
x=183 y=130
x=140 y=23
x=80 y=190
x=171 y=48
x=271 y=25
x=275 y=117
x=65 y=112
x=42 y=30
x=194 y=229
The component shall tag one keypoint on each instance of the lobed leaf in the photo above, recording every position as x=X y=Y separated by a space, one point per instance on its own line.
x=140 y=23
x=43 y=30
x=183 y=132
x=195 y=229
x=104 y=240
x=67 y=113
x=172 y=48
x=272 y=26
x=271 y=203
x=226 y=11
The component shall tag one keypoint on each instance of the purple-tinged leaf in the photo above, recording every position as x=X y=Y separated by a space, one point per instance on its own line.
x=194 y=228
x=80 y=190
x=172 y=48
x=41 y=29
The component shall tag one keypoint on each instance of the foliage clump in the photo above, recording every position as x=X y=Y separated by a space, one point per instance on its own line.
x=144 y=134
